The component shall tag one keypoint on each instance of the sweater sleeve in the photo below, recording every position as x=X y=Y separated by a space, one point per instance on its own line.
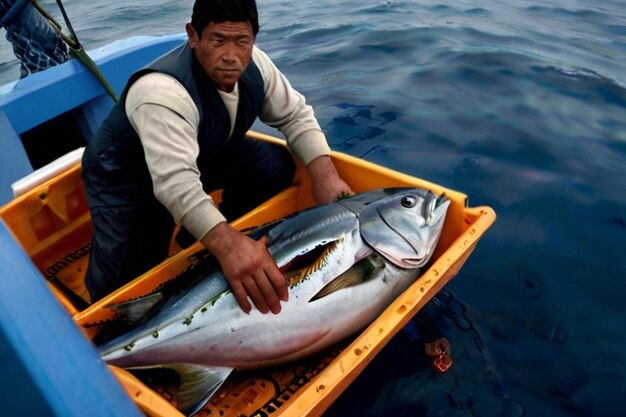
x=166 y=119
x=287 y=110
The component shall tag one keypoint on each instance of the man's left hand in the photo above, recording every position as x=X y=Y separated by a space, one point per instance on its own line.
x=326 y=185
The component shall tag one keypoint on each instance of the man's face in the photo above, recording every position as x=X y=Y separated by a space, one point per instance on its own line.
x=223 y=50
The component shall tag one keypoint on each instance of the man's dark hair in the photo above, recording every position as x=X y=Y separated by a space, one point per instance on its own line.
x=218 y=11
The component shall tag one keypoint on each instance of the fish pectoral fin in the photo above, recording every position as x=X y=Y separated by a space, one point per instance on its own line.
x=362 y=271
x=134 y=311
x=197 y=385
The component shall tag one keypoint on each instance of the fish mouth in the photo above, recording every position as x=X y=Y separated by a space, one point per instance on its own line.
x=435 y=208
x=413 y=263
x=441 y=199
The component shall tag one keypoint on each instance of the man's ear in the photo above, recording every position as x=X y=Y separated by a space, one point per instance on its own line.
x=192 y=35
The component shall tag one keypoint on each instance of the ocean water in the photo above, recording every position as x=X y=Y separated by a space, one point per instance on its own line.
x=519 y=104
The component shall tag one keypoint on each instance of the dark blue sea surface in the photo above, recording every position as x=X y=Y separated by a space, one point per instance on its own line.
x=522 y=106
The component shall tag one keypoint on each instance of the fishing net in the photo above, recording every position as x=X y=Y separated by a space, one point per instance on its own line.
x=35 y=42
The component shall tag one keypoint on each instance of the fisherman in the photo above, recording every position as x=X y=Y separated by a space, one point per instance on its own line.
x=177 y=133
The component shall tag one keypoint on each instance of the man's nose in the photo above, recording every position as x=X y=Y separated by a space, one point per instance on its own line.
x=229 y=54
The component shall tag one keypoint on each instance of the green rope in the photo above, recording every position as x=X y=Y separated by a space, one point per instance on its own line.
x=76 y=48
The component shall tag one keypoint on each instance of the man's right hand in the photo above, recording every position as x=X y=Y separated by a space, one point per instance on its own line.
x=248 y=267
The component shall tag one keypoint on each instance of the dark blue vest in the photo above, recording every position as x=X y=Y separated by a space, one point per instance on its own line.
x=116 y=148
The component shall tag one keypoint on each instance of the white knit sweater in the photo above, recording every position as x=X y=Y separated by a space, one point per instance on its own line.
x=166 y=119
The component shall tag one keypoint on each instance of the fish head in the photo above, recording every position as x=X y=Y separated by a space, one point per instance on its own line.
x=401 y=224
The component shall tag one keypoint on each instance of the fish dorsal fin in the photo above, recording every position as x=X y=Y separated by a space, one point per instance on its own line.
x=362 y=271
x=197 y=385
x=134 y=311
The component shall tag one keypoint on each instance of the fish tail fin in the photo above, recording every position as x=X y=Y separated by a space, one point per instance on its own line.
x=197 y=385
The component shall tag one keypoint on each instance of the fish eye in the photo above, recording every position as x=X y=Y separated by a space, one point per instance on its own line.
x=408 y=201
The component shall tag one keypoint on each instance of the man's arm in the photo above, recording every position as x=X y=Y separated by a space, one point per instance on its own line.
x=326 y=185
x=166 y=120
x=249 y=268
x=286 y=109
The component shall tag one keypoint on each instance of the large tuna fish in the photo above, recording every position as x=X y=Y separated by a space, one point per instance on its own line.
x=345 y=263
